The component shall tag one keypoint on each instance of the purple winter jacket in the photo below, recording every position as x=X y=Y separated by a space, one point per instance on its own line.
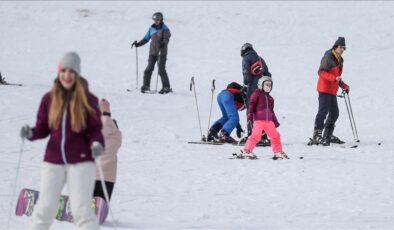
x=76 y=146
x=261 y=107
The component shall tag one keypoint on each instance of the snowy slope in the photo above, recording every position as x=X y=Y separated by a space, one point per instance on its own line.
x=165 y=182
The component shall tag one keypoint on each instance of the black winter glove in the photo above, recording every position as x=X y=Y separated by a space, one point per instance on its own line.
x=250 y=127
x=161 y=45
x=239 y=131
x=135 y=43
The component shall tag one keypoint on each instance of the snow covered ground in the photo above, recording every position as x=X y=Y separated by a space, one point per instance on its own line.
x=165 y=182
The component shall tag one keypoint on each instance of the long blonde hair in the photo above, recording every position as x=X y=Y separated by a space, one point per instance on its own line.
x=79 y=105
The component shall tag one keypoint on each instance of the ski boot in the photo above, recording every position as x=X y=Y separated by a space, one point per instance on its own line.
x=246 y=154
x=317 y=137
x=326 y=140
x=213 y=133
x=2 y=80
x=336 y=140
x=212 y=136
x=145 y=89
x=264 y=141
x=165 y=90
x=224 y=137
x=280 y=156
x=243 y=140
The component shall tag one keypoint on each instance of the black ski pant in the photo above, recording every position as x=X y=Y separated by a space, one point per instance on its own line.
x=327 y=105
x=161 y=59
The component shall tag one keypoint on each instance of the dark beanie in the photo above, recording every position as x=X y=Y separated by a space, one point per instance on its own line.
x=339 y=42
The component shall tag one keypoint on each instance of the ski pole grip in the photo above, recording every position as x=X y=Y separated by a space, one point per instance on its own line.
x=213 y=85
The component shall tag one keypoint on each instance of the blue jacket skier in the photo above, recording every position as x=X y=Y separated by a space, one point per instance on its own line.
x=159 y=34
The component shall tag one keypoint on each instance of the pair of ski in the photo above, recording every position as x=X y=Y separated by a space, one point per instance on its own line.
x=28 y=198
x=314 y=142
x=222 y=143
x=239 y=156
x=147 y=92
x=253 y=157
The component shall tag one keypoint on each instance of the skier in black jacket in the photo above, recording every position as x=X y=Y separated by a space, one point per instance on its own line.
x=253 y=68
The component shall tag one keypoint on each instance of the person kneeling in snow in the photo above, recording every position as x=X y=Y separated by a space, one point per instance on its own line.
x=262 y=117
x=109 y=159
x=230 y=101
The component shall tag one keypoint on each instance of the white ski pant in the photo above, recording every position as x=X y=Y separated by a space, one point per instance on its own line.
x=80 y=180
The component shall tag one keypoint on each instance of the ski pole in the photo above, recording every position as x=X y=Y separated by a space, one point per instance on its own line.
x=354 y=122
x=193 y=86
x=210 y=109
x=136 y=69
x=15 y=181
x=100 y=168
x=348 y=112
x=157 y=80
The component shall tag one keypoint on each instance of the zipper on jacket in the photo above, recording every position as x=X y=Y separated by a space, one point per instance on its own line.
x=266 y=112
x=63 y=139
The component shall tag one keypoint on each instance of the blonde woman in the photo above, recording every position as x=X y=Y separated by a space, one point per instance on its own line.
x=70 y=115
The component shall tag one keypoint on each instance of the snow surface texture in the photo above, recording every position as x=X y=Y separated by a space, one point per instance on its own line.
x=163 y=181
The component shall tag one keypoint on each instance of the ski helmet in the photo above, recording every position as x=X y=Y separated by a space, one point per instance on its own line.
x=158 y=16
x=260 y=83
x=246 y=47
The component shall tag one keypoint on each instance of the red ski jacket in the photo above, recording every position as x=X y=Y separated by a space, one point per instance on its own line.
x=330 y=68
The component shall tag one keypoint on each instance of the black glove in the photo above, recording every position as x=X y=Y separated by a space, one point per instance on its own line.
x=239 y=131
x=161 y=45
x=250 y=127
x=97 y=149
x=26 y=132
x=135 y=43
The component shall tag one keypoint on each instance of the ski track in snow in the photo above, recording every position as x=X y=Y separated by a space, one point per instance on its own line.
x=165 y=183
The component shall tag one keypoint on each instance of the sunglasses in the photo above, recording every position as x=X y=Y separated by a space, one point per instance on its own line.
x=342 y=47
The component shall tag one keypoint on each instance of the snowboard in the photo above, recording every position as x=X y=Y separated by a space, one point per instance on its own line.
x=28 y=198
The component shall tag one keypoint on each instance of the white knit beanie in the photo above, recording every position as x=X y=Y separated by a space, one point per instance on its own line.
x=72 y=61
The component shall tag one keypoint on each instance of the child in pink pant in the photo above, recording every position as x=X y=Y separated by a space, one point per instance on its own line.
x=262 y=116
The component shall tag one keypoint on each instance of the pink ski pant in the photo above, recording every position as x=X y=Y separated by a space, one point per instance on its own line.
x=269 y=128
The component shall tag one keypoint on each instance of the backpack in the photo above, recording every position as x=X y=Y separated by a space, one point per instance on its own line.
x=257 y=68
